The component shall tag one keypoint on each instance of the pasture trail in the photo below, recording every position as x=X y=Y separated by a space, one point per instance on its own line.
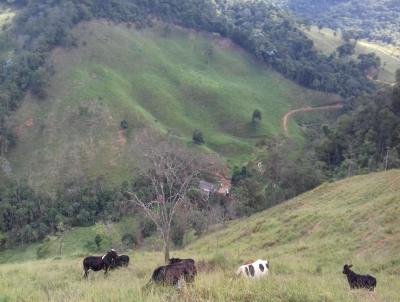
x=289 y=114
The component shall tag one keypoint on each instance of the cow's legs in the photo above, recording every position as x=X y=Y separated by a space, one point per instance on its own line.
x=85 y=275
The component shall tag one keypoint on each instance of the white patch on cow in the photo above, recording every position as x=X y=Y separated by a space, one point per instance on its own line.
x=258 y=273
x=102 y=258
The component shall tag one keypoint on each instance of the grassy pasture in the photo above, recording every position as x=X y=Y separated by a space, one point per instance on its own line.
x=166 y=78
x=307 y=241
x=326 y=41
x=6 y=16
x=61 y=280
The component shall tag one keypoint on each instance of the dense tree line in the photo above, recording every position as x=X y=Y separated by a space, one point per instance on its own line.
x=27 y=216
x=365 y=138
x=372 y=20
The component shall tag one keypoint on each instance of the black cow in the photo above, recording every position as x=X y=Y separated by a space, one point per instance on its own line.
x=176 y=270
x=359 y=281
x=121 y=261
x=178 y=260
x=98 y=263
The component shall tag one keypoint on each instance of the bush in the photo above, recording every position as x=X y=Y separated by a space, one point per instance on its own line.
x=198 y=137
x=257 y=117
x=219 y=261
x=43 y=251
x=129 y=240
x=124 y=124
x=97 y=240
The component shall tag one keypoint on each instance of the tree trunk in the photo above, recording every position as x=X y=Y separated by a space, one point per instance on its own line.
x=166 y=246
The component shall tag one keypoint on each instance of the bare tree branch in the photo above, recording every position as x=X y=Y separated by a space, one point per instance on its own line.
x=171 y=171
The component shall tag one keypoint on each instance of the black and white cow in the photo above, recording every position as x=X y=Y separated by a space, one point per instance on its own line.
x=255 y=270
x=98 y=263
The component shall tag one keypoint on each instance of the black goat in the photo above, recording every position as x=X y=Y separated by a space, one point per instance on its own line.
x=359 y=281
x=120 y=261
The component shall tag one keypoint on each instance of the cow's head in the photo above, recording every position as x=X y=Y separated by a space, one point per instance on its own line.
x=346 y=269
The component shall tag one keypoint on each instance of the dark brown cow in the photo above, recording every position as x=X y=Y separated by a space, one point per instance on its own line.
x=172 y=273
x=121 y=261
x=178 y=260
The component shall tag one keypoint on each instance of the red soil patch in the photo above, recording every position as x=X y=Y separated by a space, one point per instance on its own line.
x=314 y=229
x=29 y=123
x=18 y=130
x=225 y=183
x=121 y=137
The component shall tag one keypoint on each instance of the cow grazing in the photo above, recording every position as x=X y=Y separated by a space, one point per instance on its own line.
x=98 y=263
x=120 y=261
x=178 y=260
x=174 y=272
x=359 y=281
x=255 y=270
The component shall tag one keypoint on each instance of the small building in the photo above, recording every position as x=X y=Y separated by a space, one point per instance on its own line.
x=207 y=187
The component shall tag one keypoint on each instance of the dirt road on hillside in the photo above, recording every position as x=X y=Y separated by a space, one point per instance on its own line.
x=288 y=115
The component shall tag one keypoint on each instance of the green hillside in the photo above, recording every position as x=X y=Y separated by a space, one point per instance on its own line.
x=171 y=79
x=6 y=17
x=327 y=42
x=307 y=240
x=374 y=20
x=351 y=220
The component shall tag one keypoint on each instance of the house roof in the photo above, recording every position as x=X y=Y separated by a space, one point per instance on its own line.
x=206 y=186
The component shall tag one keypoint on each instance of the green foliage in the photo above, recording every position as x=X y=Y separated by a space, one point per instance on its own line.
x=257 y=117
x=26 y=216
x=124 y=124
x=365 y=138
x=129 y=240
x=290 y=170
x=372 y=20
x=346 y=49
x=97 y=240
x=198 y=137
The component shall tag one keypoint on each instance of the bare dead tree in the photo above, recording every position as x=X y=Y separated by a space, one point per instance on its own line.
x=171 y=172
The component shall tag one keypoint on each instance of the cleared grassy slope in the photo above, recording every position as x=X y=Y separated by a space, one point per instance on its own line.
x=354 y=220
x=6 y=17
x=170 y=79
x=307 y=240
x=327 y=42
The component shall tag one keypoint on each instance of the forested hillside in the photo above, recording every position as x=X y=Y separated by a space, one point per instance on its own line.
x=376 y=20
x=80 y=80
x=257 y=26
x=328 y=41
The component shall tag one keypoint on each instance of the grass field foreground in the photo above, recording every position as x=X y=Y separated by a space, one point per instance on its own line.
x=307 y=241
